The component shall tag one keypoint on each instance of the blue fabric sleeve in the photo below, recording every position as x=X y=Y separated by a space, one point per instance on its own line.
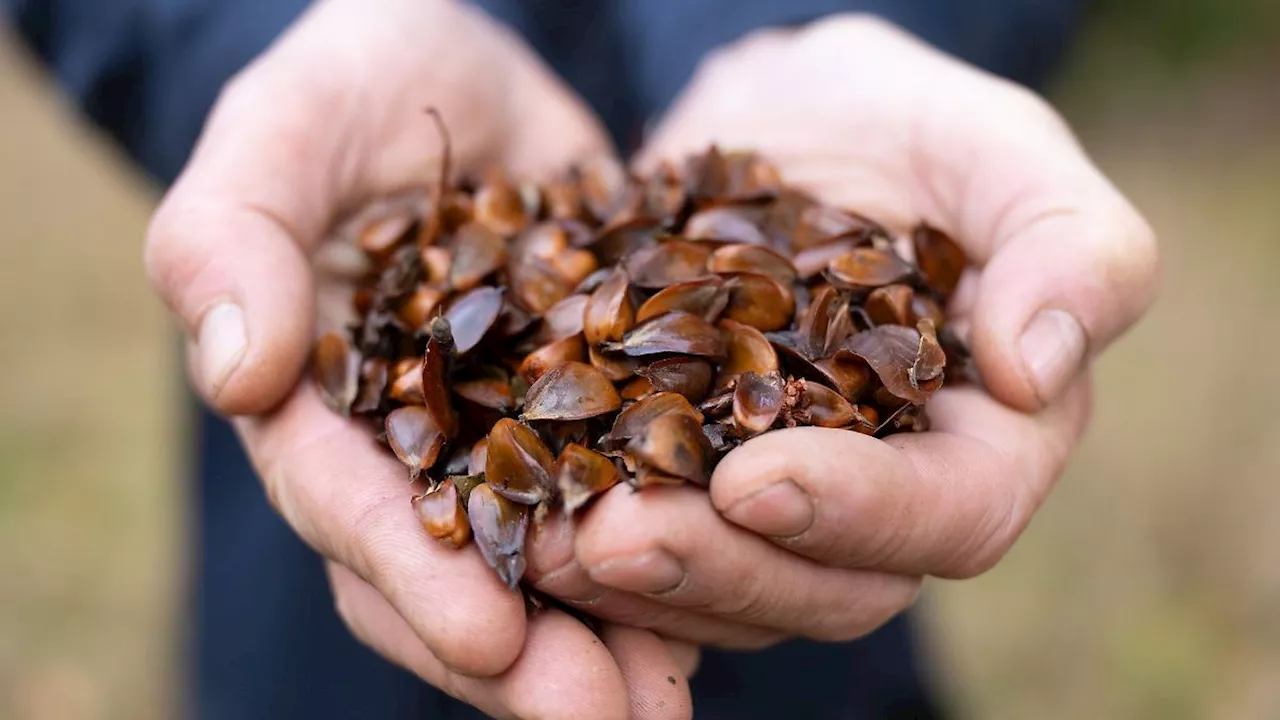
x=1020 y=39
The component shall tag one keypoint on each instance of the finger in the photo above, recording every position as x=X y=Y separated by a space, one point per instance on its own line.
x=553 y=569
x=349 y=500
x=948 y=502
x=657 y=686
x=668 y=544
x=227 y=249
x=1070 y=264
x=563 y=673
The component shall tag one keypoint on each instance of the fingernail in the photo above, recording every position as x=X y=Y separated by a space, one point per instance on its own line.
x=222 y=341
x=780 y=510
x=1053 y=347
x=652 y=572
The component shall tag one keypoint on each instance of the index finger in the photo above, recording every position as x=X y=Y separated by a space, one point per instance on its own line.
x=350 y=501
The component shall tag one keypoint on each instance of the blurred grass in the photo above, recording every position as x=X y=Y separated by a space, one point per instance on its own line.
x=1145 y=589
x=89 y=511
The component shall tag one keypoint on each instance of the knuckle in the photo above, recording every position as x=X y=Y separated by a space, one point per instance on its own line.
x=871 y=609
x=1023 y=102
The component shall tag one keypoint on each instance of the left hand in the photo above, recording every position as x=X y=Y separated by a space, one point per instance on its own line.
x=827 y=533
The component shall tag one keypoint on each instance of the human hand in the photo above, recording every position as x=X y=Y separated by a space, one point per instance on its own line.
x=328 y=119
x=827 y=533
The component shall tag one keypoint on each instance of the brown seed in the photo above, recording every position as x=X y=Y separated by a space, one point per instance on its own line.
x=930 y=360
x=499 y=205
x=414 y=437
x=436 y=264
x=941 y=260
x=571 y=391
x=536 y=285
x=441 y=512
x=707 y=297
x=407 y=387
x=478 y=251
x=751 y=177
x=418 y=309
x=868 y=268
x=726 y=224
x=924 y=307
x=706 y=175
x=892 y=352
x=649 y=476
x=582 y=474
x=825 y=310
x=747 y=350
x=822 y=223
x=513 y=320
x=558 y=434
x=373 y=383
x=500 y=526
x=631 y=421
x=573 y=266
x=867 y=421
x=890 y=305
x=664 y=194
x=336 y=367
x=759 y=301
x=493 y=392
x=636 y=388
x=518 y=465
x=609 y=314
x=688 y=376
x=720 y=404
x=615 y=242
x=472 y=314
x=592 y=281
x=827 y=408
x=603 y=184
x=752 y=259
x=435 y=390
x=614 y=366
x=667 y=263
x=814 y=260
x=551 y=355
x=674 y=332
x=674 y=444
x=849 y=376
x=380 y=236
x=562 y=198
x=757 y=400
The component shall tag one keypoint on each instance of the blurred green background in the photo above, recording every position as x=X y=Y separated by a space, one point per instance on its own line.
x=1147 y=588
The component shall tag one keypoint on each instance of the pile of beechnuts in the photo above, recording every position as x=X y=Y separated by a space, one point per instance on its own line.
x=525 y=347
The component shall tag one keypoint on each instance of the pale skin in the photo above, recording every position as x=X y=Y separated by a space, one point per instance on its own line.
x=809 y=532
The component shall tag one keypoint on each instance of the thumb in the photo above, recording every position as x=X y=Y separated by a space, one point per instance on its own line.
x=225 y=249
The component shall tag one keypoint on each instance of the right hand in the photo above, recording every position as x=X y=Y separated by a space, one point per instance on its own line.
x=328 y=119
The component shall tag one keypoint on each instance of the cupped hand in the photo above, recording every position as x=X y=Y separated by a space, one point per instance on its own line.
x=827 y=533
x=329 y=118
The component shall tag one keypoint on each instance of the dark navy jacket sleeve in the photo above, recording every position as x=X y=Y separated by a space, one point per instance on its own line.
x=1020 y=39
